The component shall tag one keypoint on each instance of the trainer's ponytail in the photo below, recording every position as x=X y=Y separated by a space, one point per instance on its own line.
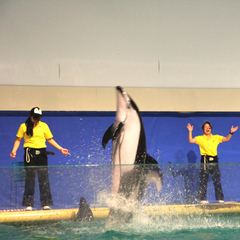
x=29 y=125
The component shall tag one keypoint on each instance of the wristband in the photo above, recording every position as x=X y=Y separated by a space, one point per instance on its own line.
x=60 y=150
x=231 y=133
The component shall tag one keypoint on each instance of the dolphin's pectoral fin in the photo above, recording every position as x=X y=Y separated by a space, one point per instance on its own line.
x=112 y=133
x=84 y=212
x=107 y=136
x=154 y=174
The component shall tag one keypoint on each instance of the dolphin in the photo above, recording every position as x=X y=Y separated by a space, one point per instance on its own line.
x=131 y=169
x=84 y=212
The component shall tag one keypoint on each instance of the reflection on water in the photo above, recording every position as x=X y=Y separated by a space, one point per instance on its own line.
x=142 y=227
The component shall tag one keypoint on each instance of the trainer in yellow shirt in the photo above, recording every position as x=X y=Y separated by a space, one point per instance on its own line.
x=40 y=133
x=35 y=134
x=208 y=144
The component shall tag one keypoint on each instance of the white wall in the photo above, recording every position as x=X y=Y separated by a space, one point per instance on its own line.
x=104 y=43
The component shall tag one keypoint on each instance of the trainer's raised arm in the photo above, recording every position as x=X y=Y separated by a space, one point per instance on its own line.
x=228 y=137
x=190 y=138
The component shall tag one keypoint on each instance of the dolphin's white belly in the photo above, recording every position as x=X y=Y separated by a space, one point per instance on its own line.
x=129 y=139
x=125 y=149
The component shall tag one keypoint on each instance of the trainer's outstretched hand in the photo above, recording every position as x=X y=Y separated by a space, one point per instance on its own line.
x=234 y=129
x=65 y=151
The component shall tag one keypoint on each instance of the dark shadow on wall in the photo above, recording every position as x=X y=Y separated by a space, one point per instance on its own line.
x=190 y=174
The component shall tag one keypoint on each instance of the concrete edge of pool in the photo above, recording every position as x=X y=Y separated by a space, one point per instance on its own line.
x=11 y=216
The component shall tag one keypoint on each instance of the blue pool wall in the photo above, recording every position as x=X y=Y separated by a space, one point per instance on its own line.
x=82 y=132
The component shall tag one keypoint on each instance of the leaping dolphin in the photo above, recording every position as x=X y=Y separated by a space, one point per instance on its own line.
x=131 y=172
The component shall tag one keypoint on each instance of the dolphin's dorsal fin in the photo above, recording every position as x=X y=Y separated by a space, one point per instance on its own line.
x=150 y=160
x=84 y=212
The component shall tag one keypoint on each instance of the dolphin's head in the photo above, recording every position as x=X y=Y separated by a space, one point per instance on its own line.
x=123 y=103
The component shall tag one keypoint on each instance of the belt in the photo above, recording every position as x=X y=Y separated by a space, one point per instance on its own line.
x=33 y=152
x=209 y=159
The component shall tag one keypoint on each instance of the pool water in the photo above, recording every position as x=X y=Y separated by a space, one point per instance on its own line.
x=186 y=227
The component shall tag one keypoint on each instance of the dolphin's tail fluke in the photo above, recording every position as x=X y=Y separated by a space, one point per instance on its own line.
x=84 y=213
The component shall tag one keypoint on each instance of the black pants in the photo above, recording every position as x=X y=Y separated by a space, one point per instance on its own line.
x=36 y=164
x=214 y=170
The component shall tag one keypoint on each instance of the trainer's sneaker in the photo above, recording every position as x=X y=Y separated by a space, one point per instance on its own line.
x=29 y=208
x=204 y=202
x=220 y=201
x=46 y=208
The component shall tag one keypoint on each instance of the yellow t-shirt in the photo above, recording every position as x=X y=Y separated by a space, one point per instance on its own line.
x=208 y=146
x=40 y=133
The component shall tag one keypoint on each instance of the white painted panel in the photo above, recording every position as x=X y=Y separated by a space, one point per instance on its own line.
x=144 y=43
